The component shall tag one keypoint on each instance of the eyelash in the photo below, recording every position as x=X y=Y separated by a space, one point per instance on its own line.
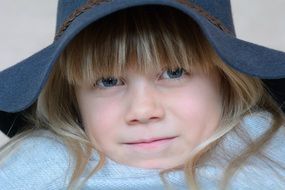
x=99 y=83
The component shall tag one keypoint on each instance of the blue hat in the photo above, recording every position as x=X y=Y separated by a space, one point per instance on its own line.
x=21 y=84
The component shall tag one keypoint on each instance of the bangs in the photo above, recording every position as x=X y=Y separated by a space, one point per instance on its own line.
x=145 y=38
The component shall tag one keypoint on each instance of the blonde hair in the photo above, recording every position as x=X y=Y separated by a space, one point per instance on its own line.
x=156 y=37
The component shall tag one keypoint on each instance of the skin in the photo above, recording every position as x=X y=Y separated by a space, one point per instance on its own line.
x=145 y=106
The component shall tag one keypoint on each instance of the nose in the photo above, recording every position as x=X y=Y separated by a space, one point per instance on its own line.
x=144 y=106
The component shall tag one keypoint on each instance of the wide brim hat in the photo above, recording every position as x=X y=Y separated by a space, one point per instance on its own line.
x=21 y=84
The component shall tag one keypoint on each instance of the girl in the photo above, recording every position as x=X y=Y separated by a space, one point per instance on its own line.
x=138 y=97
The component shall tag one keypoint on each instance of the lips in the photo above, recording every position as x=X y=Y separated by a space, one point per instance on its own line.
x=150 y=140
x=151 y=145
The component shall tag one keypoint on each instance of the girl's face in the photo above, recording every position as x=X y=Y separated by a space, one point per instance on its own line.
x=150 y=120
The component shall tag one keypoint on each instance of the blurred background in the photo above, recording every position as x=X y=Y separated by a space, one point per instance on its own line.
x=29 y=25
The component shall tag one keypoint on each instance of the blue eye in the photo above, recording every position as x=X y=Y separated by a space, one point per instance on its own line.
x=108 y=82
x=173 y=74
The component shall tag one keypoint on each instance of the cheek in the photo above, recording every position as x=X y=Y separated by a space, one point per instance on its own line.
x=198 y=110
x=101 y=120
x=196 y=104
x=191 y=111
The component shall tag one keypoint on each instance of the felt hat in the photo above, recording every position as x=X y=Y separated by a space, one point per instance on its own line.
x=21 y=84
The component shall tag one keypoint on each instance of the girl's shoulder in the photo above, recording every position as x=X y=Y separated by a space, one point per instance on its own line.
x=266 y=168
x=40 y=160
x=257 y=125
x=252 y=128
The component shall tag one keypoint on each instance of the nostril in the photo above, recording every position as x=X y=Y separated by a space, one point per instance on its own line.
x=154 y=118
x=143 y=120
x=134 y=121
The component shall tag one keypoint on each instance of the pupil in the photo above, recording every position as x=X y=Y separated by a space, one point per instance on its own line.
x=176 y=73
x=109 y=81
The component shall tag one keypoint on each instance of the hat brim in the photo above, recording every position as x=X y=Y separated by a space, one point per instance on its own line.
x=21 y=84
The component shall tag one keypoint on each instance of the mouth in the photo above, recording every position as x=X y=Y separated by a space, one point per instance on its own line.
x=150 y=140
x=151 y=143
